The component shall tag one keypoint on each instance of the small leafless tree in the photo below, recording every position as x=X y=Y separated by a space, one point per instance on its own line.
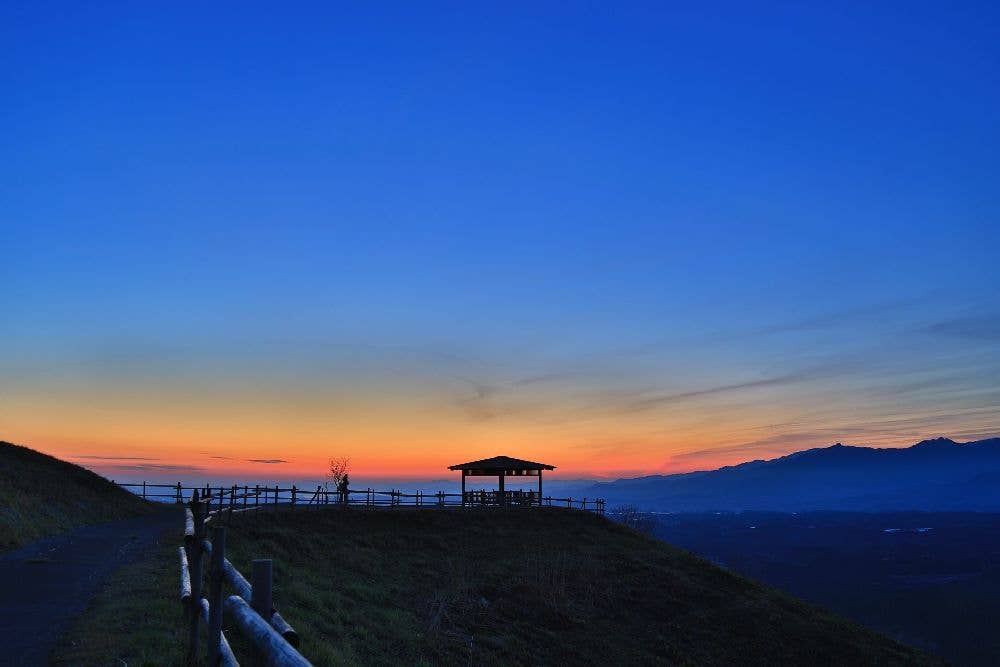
x=631 y=516
x=339 y=467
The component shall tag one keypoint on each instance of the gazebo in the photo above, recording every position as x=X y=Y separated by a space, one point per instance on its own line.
x=502 y=467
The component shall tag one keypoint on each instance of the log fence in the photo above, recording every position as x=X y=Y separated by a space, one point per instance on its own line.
x=250 y=606
x=245 y=498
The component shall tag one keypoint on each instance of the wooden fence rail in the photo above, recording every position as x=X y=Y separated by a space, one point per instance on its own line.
x=274 y=641
x=240 y=498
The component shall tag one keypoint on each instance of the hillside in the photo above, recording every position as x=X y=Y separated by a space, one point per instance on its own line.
x=43 y=496
x=932 y=475
x=518 y=587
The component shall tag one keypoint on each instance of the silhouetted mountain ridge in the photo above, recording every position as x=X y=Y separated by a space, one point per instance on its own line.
x=933 y=475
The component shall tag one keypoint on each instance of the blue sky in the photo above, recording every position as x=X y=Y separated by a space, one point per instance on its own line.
x=637 y=221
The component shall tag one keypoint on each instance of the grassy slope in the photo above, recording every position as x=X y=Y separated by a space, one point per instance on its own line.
x=493 y=588
x=43 y=496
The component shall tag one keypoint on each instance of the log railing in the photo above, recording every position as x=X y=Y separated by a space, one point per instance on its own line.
x=251 y=606
x=239 y=498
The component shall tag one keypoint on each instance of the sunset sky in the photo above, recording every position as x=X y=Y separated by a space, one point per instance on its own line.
x=619 y=238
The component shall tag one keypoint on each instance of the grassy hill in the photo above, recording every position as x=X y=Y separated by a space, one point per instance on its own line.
x=484 y=587
x=518 y=587
x=43 y=496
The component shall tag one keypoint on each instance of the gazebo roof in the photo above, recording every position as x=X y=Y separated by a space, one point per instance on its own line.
x=502 y=463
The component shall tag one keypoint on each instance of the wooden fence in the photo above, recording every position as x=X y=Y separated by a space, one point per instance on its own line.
x=272 y=639
x=236 y=498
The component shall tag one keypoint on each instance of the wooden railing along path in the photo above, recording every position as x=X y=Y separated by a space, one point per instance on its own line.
x=237 y=498
x=272 y=639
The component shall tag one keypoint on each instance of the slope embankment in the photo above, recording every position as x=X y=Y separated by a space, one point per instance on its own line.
x=411 y=586
x=44 y=496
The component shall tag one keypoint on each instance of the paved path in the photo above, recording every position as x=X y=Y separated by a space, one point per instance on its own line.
x=45 y=585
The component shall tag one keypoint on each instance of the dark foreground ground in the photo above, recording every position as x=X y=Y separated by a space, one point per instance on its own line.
x=45 y=585
x=927 y=579
x=452 y=587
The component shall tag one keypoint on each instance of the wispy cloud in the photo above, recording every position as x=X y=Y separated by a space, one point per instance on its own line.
x=270 y=461
x=115 y=458
x=478 y=405
x=981 y=328
x=653 y=401
x=773 y=446
x=153 y=467
x=834 y=319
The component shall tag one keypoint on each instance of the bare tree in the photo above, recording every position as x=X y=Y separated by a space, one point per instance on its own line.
x=339 y=467
x=336 y=476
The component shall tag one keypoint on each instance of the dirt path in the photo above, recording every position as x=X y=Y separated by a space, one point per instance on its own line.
x=45 y=585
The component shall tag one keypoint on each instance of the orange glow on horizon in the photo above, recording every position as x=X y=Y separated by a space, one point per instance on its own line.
x=236 y=432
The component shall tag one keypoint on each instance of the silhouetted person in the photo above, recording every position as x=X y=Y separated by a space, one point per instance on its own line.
x=342 y=488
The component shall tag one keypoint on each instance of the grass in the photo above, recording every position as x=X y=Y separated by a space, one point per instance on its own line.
x=43 y=496
x=135 y=620
x=429 y=587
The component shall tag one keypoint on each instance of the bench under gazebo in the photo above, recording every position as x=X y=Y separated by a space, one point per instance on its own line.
x=502 y=467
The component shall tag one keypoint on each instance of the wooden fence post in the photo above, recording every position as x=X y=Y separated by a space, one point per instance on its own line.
x=261 y=597
x=178 y=494
x=186 y=602
x=215 y=595
x=194 y=564
x=143 y=489
x=261 y=576
x=294 y=491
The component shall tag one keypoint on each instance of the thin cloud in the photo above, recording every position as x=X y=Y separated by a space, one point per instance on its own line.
x=270 y=461
x=116 y=458
x=776 y=445
x=981 y=328
x=479 y=404
x=833 y=319
x=654 y=401
x=155 y=467
x=555 y=376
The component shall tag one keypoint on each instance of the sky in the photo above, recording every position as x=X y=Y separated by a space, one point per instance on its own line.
x=619 y=238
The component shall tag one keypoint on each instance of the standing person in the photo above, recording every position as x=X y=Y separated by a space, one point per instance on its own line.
x=343 y=488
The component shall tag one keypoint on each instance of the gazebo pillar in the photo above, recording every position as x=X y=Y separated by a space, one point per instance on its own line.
x=539 y=488
x=503 y=498
x=464 y=472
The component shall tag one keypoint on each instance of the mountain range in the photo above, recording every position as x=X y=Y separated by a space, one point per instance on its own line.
x=932 y=475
